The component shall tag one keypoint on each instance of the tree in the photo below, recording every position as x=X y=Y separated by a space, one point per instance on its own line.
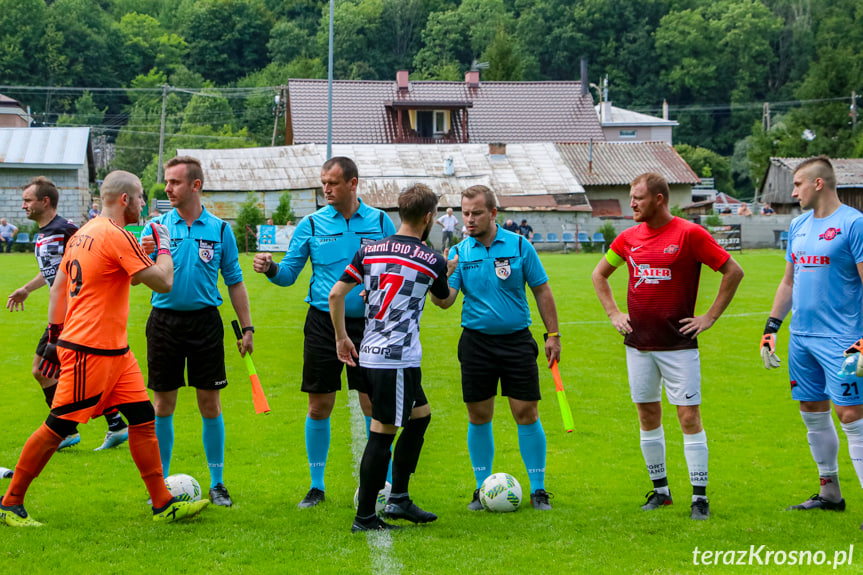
x=283 y=214
x=22 y=24
x=88 y=36
x=707 y=163
x=504 y=61
x=251 y=215
x=227 y=38
x=87 y=113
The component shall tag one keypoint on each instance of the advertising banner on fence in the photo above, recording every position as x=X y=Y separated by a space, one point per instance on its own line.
x=727 y=236
x=274 y=238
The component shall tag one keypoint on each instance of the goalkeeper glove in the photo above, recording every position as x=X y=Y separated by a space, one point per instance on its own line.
x=162 y=237
x=768 y=343
x=857 y=348
x=50 y=364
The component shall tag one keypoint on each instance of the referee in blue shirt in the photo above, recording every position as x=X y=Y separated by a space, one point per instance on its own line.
x=496 y=343
x=185 y=327
x=329 y=238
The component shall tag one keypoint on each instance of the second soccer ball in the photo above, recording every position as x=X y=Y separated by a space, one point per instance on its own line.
x=383 y=496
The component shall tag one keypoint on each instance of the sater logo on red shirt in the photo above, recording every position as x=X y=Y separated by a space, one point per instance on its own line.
x=829 y=234
x=647 y=274
x=672 y=249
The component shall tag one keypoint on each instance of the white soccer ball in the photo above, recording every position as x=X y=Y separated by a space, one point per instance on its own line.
x=183 y=487
x=500 y=493
x=383 y=496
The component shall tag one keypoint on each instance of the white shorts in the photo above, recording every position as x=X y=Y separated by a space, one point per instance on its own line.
x=679 y=370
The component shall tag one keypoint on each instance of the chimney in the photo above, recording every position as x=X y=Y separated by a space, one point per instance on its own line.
x=471 y=78
x=606 y=111
x=585 y=87
x=497 y=149
x=664 y=109
x=402 y=77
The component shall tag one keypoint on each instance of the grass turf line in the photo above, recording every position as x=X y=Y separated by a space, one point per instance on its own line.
x=96 y=521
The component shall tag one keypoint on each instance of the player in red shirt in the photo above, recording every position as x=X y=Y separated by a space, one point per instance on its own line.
x=664 y=255
x=90 y=297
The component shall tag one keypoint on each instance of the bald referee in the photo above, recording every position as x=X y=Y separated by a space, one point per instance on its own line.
x=497 y=345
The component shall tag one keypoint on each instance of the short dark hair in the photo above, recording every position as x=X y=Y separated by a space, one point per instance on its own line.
x=349 y=168
x=194 y=171
x=655 y=183
x=474 y=191
x=44 y=187
x=415 y=202
x=822 y=168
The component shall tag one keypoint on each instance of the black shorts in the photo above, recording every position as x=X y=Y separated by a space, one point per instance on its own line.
x=510 y=358
x=43 y=342
x=322 y=368
x=394 y=393
x=177 y=337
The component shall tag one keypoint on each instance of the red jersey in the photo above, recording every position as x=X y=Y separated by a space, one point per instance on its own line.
x=664 y=270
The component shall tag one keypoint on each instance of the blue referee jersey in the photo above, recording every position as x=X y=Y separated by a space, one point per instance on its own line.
x=492 y=280
x=199 y=251
x=330 y=242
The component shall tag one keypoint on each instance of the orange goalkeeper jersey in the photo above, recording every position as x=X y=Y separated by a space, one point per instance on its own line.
x=99 y=262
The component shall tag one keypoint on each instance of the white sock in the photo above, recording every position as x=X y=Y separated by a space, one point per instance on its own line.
x=823 y=441
x=695 y=450
x=653 y=449
x=854 y=432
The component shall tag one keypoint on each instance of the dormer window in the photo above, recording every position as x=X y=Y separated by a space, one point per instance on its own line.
x=441 y=121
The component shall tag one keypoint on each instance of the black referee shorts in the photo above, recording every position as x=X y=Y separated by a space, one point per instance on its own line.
x=322 y=368
x=175 y=338
x=487 y=359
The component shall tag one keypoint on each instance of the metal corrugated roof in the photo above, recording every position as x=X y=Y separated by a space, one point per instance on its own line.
x=849 y=171
x=616 y=164
x=501 y=111
x=43 y=147
x=386 y=169
x=259 y=169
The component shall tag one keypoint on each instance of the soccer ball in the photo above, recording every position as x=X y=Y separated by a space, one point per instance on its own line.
x=183 y=487
x=500 y=493
x=383 y=496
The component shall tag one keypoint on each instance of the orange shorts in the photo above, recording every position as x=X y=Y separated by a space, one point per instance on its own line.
x=91 y=384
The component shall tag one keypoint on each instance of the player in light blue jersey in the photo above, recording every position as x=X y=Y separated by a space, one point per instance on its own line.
x=823 y=290
x=329 y=238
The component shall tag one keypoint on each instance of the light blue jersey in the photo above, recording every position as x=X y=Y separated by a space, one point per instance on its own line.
x=827 y=295
x=200 y=252
x=330 y=242
x=493 y=279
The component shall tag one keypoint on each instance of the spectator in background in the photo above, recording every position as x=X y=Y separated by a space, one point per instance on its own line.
x=94 y=211
x=270 y=222
x=7 y=235
x=766 y=210
x=510 y=226
x=743 y=210
x=525 y=230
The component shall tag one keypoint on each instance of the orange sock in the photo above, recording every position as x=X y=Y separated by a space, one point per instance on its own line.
x=144 y=448
x=35 y=455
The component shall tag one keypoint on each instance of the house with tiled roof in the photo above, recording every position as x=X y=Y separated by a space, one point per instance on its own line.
x=606 y=169
x=433 y=112
x=13 y=114
x=778 y=183
x=622 y=125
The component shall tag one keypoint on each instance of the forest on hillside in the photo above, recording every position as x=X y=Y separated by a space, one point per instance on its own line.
x=746 y=79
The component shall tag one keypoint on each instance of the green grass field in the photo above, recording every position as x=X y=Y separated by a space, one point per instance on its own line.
x=96 y=519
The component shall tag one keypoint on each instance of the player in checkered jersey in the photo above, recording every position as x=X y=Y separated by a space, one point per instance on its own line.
x=396 y=272
x=664 y=255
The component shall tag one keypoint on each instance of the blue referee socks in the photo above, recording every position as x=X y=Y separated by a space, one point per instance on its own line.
x=165 y=437
x=214 y=447
x=531 y=443
x=317 y=448
x=480 y=445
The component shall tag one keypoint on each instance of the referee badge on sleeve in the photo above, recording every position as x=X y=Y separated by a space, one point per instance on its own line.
x=502 y=268
x=205 y=250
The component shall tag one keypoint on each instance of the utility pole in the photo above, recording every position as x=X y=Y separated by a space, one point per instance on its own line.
x=330 y=91
x=289 y=129
x=853 y=112
x=276 y=121
x=765 y=117
x=162 y=134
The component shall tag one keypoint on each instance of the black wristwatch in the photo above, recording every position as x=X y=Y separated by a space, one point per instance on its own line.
x=250 y=328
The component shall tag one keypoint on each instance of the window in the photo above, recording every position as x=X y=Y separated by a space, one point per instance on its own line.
x=628 y=133
x=440 y=122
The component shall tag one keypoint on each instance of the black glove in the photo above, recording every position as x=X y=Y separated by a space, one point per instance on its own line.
x=50 y=364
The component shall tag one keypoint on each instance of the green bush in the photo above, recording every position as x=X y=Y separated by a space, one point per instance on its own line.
x=252 y=216
x=608 y=232
x=677 y=211
x=713 y=220
x=284 y=213
x=157 y=192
